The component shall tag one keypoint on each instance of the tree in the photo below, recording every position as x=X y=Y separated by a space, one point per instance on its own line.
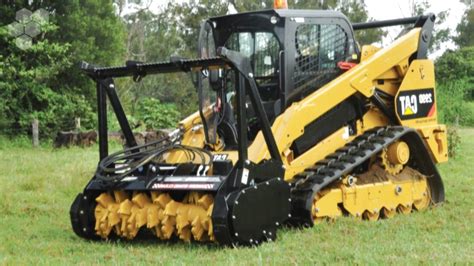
x=27 y=87
x=355 y=10
x=465 y=29
x=44 y=81
x=440 y=35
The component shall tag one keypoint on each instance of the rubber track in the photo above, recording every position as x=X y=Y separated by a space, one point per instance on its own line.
x=336 y=165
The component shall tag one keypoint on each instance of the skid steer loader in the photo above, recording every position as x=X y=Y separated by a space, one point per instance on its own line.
x=296 y=124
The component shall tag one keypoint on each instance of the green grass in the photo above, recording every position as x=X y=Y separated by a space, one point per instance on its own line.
x=38 y=186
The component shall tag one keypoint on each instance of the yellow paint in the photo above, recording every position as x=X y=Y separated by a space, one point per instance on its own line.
x=373 y=198
x=189 y=219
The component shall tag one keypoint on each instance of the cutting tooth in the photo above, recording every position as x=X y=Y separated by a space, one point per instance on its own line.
x=126 y=214
x=101 y=213
x=168 y=226
x=161 y=199
x=189 y=219
x=106 y=212
x=208 y=223
x=143 y=202
x=155 y=212
x=206 y=201
x=169 y=222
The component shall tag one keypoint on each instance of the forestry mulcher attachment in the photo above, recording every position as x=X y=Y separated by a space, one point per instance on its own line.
x=296 y=124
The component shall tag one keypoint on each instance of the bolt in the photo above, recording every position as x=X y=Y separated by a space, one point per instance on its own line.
x=251 y=74
x=264 y=232
x=85 y=197
x=247 y=162
x=277 y=224
x=251 y=240
x=111 y=86
x=255 y=187
x=398 y=190
x=289 y=215
x=267 y=183
x=236 y=203
x=289 y=199
x=233 y=217
x=81 y=212
x=243 y=191
x=316 y=209
x=84 y=229
x=278 y=179
x=236 y=234
x=270 y=233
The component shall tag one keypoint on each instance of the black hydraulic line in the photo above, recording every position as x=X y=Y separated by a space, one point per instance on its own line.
x=377 y=100
x=102 y=120
x=386 y=23
x=109 y=86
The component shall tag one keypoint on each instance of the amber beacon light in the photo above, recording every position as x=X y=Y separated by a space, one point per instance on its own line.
x=280 y=4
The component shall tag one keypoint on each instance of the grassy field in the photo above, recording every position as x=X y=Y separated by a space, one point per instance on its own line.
x=38 y=186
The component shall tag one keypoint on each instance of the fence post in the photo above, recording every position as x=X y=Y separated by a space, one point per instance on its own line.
x=35 y=131
x=77 y=122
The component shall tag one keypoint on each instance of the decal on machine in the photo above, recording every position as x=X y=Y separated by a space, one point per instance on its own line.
x=416 y=104
x=182 y=186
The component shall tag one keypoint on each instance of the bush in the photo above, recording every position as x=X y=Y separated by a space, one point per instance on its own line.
x=156 y=115
x=454 y=141
x=452 y=104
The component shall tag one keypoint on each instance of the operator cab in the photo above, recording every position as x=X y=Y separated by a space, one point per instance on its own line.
x=292 y=53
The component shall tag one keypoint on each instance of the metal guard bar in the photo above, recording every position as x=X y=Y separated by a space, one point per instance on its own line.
x=418 y=21
x=137 y=69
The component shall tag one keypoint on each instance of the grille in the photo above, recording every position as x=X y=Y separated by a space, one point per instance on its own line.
x=318 y=50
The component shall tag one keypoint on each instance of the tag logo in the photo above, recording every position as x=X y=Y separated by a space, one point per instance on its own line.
x=219 y=157
x=415 y=104
x=409 y=104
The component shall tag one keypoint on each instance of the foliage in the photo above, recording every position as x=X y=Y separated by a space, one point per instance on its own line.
x=457 y=64
x=27 y=88
x=44 y=82
x=440 y=35
x=452 y=105
x=156 y=115
x=465 y=29
x=356 y=11
x=145 y=42
x=454 y=141
x=456 y=85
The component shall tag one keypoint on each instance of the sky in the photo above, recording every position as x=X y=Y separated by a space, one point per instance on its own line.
x=391 y=9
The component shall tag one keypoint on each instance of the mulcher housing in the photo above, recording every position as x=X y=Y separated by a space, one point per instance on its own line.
x=305 y=125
